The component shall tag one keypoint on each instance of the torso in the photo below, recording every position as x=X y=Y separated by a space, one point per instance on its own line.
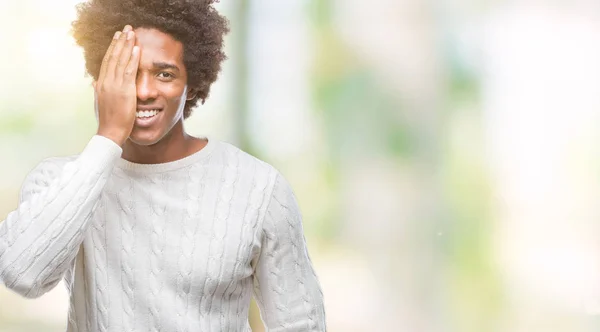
x=173 y=250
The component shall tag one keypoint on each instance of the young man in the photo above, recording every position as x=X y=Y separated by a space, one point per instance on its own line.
x=153 y=229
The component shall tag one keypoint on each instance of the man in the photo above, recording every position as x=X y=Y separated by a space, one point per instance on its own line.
x=153 y=229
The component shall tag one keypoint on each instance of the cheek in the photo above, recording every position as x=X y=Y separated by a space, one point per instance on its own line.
x=175 y=94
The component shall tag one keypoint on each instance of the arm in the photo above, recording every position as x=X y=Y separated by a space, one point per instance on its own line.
x=286 y=287
x=41 y=237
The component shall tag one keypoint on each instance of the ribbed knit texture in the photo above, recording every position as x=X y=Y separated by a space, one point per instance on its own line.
x=179 y=246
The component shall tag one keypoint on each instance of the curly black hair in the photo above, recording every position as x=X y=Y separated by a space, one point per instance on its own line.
x=195 y=23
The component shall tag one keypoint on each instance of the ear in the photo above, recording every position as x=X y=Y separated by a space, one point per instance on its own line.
x=191 y=94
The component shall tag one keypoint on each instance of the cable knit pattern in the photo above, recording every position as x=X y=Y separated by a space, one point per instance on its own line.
x=224 y=208
x=53 y=230
x=126 y=205
x=88 y=318
x=179 y=246
x=56 y=203
x=157 y=246
x=287 y=289
x=194 y=193
x=100 y=275
x=69 y=280
x=257 y=198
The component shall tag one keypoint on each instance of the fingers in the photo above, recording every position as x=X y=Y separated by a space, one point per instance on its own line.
x=126 y=53
x=130 y=72
x=107 y=55
x=115 y=54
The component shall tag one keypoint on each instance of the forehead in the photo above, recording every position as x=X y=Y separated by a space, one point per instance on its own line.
x=156 y=45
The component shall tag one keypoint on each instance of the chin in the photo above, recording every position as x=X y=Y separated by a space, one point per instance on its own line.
x=145 y=139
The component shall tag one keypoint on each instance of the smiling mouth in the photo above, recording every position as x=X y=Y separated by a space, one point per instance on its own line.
x=146 y=113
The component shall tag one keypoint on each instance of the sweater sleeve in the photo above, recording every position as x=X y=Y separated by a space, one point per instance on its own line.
x=40 y=239
x=287 y=289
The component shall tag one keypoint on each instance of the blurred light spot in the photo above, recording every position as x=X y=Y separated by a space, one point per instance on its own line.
x=54 y=57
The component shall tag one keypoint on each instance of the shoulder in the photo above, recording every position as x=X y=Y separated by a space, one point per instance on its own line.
x=43 y=173
x=251 y=167
x=50 y=167
x=234 y=158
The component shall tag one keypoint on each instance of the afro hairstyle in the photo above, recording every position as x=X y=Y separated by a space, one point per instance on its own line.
x=194 y=23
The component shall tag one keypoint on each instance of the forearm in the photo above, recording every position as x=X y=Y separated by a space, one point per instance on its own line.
x=48 y=226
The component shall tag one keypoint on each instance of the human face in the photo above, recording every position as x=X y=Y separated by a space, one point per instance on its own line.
x=161 y=85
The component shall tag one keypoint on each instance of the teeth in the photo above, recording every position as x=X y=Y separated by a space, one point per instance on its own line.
x=146 y=114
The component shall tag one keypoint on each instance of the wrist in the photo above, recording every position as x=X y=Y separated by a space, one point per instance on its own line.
x=117 y=137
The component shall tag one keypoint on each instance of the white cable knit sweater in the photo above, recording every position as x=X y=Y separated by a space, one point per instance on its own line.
x=178 y=246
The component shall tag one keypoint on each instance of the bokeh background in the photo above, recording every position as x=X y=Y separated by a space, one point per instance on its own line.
x=445 y=154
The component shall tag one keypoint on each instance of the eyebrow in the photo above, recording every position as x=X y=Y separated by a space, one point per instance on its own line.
x=165 y=65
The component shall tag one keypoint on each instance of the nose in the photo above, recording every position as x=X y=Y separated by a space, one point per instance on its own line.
x=146 y=89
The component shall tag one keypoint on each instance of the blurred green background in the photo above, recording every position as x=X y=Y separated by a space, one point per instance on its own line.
x=444 y=153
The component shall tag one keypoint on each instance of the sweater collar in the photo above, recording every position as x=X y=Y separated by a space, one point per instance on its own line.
x=172 y=165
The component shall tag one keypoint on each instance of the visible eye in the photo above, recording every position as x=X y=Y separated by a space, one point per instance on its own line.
x=165 y=74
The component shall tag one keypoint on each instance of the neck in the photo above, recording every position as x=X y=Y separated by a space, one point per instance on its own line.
x=175 y=145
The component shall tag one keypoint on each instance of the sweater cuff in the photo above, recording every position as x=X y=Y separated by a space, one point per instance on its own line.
x=101 y=152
